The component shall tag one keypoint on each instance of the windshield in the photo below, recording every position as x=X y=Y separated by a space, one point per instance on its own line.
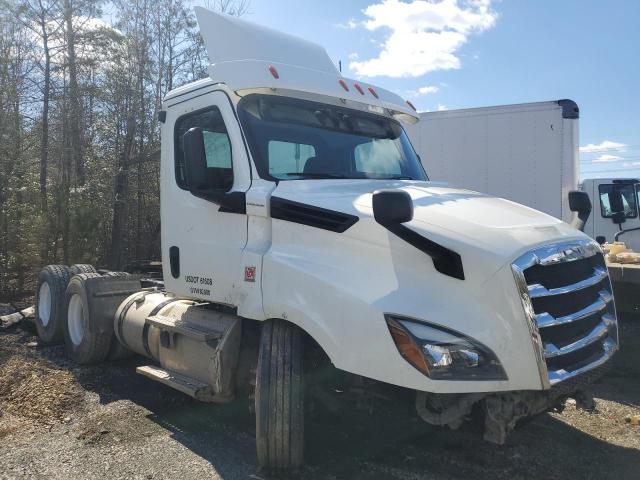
x=294 y=139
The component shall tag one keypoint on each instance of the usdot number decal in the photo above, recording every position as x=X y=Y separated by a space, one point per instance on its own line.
x=197 y=280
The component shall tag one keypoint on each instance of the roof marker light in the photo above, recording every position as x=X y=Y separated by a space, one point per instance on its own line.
x=411 y=105
x=373 y=92
x=344 y=85
x=359 y=88
x=274 y=72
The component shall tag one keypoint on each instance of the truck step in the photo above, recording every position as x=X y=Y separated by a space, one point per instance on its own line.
x=174 y=325
x=192 y=387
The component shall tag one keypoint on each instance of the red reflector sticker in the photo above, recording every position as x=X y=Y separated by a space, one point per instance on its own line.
x=249 y=274
x=274 y=72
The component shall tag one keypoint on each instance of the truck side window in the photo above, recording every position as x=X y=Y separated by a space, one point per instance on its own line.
x=216 y=145
x=617 y=198
x=288 y=157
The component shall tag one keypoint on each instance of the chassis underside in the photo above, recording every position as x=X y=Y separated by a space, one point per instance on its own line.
x=502 y=411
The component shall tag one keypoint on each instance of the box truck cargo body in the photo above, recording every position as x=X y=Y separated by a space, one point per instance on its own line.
x=527 y=153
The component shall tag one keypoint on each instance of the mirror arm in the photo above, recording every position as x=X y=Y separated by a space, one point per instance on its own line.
x=230 y=202
x=233 y=202
x=622 y=232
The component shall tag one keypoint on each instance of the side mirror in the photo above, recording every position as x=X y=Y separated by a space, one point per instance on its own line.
x=195 y=161
x=615 y=200
x=392 y=207
x=580 y=203
x=618 y=217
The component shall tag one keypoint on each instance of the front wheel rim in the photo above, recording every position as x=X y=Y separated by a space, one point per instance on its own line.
x=44 y=303
x=75 y=317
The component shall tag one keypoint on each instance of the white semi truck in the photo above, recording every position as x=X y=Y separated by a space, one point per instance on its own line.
x=527 y=153
x=297 y=219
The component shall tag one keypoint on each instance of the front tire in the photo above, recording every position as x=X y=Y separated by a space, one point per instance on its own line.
x=50 y=300
x=85 y=341
x=279 y=396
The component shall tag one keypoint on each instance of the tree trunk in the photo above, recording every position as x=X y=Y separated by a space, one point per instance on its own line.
x=121 y=199
x=74 y=96
x=44 y=141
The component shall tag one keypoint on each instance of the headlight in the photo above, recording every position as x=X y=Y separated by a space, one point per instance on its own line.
x=441 y=353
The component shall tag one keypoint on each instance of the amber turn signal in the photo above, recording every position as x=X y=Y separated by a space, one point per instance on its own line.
x=407 y=346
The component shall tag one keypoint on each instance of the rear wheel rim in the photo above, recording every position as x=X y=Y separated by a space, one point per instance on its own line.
x=75 y=316
x=44 y=303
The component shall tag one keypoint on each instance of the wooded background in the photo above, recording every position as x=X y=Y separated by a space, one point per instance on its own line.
x=79 y=134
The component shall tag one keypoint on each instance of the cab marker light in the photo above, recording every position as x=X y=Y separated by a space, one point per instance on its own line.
x=274 y=72
x=344 y=85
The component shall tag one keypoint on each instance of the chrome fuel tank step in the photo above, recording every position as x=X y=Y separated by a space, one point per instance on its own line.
x=189 y=340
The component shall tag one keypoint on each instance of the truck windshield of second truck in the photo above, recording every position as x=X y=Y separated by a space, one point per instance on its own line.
x=618 y=199
x=293 y=139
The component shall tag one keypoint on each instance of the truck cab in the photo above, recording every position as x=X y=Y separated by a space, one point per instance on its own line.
x=296 y=213
x=615 y=214
x=290 y=192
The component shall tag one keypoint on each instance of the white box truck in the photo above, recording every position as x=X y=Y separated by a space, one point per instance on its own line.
x=527 y=153
x=297 y=220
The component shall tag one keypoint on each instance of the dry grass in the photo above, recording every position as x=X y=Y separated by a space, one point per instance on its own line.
x=6 y=431
x=35 y=388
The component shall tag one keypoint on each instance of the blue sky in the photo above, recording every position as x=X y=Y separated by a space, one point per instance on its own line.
x=458 y=54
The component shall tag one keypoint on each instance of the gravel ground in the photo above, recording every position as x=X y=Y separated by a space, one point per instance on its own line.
x=61 y=421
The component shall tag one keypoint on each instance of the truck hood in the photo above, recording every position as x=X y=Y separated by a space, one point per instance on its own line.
x=470 y=223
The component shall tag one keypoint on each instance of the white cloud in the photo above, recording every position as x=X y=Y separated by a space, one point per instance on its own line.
x=425 y=36
x=631 y=164
x=350 y=25
x=353 y=56
x=426 y=90
x=607 y=158
x=604 y=146
x=442 y=107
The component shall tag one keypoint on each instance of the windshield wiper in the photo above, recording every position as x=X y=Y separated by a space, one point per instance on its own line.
x=315 y=175
x=399 y=177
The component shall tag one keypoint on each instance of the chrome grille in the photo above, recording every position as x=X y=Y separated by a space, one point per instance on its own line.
x=566 y=294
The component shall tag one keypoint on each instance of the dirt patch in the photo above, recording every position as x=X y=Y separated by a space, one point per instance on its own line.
x=31 y=385
x=123 y=425
x=35 y=388
x=7 y=430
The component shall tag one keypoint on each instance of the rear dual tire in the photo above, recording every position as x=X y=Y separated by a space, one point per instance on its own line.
x=279 y=397
x=50 y=302
x=85 y=342
x=50 y=299
x=82 y=268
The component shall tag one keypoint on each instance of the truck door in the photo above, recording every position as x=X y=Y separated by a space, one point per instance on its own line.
x=202 y=239
x=616 y=210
